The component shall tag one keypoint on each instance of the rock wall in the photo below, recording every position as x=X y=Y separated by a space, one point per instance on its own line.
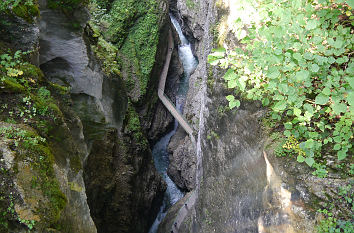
x=127 y=195
x=239 y=188
x=101 y=128
x=41 y=152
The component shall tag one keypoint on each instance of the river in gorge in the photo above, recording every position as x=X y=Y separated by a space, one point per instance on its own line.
x=159 y=151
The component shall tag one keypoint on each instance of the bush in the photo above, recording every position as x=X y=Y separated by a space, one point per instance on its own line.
x=295 y=58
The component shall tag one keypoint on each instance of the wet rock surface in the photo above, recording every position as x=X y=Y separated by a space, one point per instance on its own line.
x=183 y=165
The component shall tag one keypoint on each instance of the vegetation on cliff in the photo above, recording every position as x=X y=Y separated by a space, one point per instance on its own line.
x=296 y=58
x=35 y=117
x=132 y=28
x=26 y=9
x=28 y=116
x=67 y=6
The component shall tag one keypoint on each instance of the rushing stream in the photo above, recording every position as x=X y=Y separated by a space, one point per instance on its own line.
x=159 y=151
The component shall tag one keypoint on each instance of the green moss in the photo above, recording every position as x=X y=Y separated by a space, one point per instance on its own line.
x=26 y=11
x=133 y=126
x=190 y=4
x=121 y=17
x=32 y=72
x=11 y=85
x=107 y=54
x=32 y=152
x=132 y=26
x=140 y=48
x=75 y=163
x=68 y=6
x=60 y=89
x=43 y=164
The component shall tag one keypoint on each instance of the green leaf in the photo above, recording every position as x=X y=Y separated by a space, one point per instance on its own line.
x=326 y=91
x=230 y=98
x=342 y=154
x=288 y=125
x=310 y=143
x=337 y=147
x=213 y=61
x=265 y=101
x=350 y=80
x=235 y=103
x=302 y=75
x=274 y=75
x=310 y=161
x=311 y=24
x=232 y=102
x=338 y=43
x=219 y=52
x=232 y=83
x=297 y=56
x=278 y=51
x=297 y=112
x=300 y=158
x=337 y=139
x=350 y=98
x=308 y=108
x=242 y=82
x=230 y=75
x=339 y=108
x=287 y=133
x=315 y=68
x=351 y=3
x=279 y=106
x=331 y=60
x=321 y=99
x=308 y=56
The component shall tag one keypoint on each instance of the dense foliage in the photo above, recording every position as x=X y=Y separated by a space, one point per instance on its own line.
x=26 y=9
x=296 y=59
x=67 y=6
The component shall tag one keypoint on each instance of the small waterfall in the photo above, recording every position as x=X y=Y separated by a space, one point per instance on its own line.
x=159 y=151
x=189 y=63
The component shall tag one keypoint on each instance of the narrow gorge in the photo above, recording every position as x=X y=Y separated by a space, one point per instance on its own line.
x=88 y=142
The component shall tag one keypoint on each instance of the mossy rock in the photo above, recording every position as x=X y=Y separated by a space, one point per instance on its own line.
x=63 y=90
x=75 y=163
x=133 y=126
x=41 y=201
x=67 y=6
x=107 y=55
x=27 y=12
x=42 y=161
x=32 y=72
x=139 y=49
x=10 y=85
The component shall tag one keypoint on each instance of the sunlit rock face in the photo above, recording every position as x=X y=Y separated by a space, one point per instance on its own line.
x=239 y=190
